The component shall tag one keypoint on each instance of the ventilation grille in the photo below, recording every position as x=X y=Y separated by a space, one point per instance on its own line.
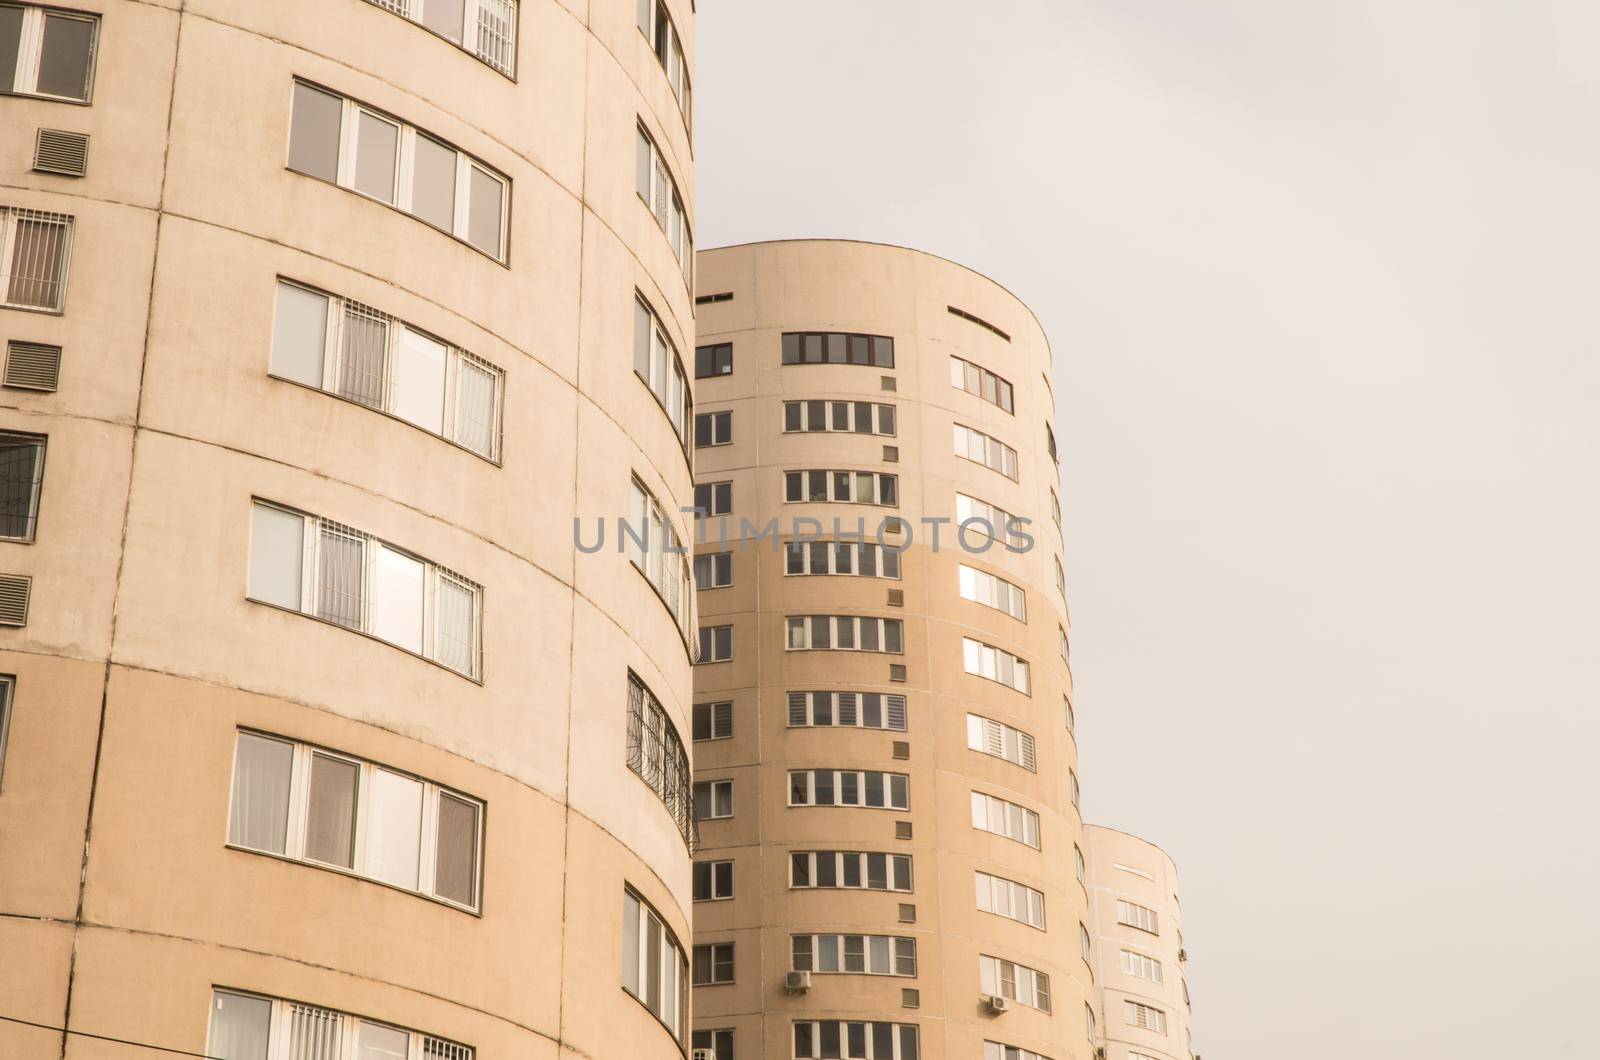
x=902 y=749
x=902 y=829
x=62 y=153
x=910 y=997
x=908 y=913
x=887 y=382
x=891 y=454
x=32 y=365
x=897 y=672
x=14 y=592
x=707 y=299
x=897 y=598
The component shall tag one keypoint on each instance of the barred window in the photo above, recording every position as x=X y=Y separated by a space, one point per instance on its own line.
x=1024 y=985
x=364 y=355
x=866 y=710
x=995 y=664
x=854 y=417
x=854 y=1040
x=35 y=251
x=484 y=28
x=845 y=633
x=1008 y=898
x=842 y=487
x=834 y=347
x=854 y=954
x=657 y=364
x=656 y=186
x=21 y=474
x=656 y=754
x=334 y=572
x=849 y=869
x=964 y=375
x=849 y=787
x=47 y=52
x=1001 y=740
x=252 y=1027
x=861 y=559
x=980 y=448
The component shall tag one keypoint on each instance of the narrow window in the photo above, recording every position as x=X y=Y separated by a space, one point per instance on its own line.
x=455 y=871
x=261 y=772
x=394 y=828
x=314 y=132
x=277 y=548
x=21 y=475
x=241 y=1025
x=331 y=816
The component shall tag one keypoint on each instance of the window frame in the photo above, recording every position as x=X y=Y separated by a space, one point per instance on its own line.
x=902 y=965
x=987 y=584
x=717 y=563
x=715 y=350
x=680 y=415
x=720 y=488
x=836 y=787
x=964 y=438
x=470 y=27
x=832 y=549
x=806 y=627
x=972 y=648
x=712 y=880
x=663 y=768
x=803 y=408
x=996 y=739
x=899 y=1035
x=666 y=50
x=30 y=52
x=9 y=236
x=648 y=922
x=858 y=710
x=39 y=444
x=994 y=970
x=841 y=873
x=832 y=494
x=795 y=349
x=673 y=211
x=993 y=885
x=8 y=695
x=660 y=557
x=985 y=381
x=1024 y=815
x=710 y=634
x=281 y=1022
x=711 y=714
x=715 y=790
x=715 y=419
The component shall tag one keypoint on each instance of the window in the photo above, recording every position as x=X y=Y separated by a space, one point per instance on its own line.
x=716 y=644
x=656 y=25
x=718 y=1042
x=995 y=664
x=358 y=353
x=843 y=487
x=1150 y=1019
x=344 y=142
x=713 y=360
x=987 y=589
x=850 y=869
x=854 y=1040
x=1072 y=719
x=833 y=347
x=35 y=250
x=1010 y=899
x=653 y=965
x=861 y=559
x=854 y=954
x=852 y=417
x=47 y=52
x=1089 y=1027
x=997 y=1051
x=1079 y=869
x=1085 y=947
x=712 y=429
x=713 y=498
x=8 y=685
x=654 y=183
x=656 y=754
x=713 y=880
x=713 y=721
x=713 y=964
x=1061 y=641
x=251 y=1027
x=1005 y=819
x=1024 y=985
x=330 y=571
x=964 y=375
x=1072 y=788
x=845 y=633
x=653 y=546
x=982 y=449
x=991 y=521
x=1000 y=740
x=656 y=362
x=1055 y=507
x=713 y=800
x=1134 y=915
x=713 y=570
x=484 y=28
x=1050 y=443
x=1140 y=965
x=325 y=807
x=866 y=710
x=21 y=474
x=1061 y=578
x=849 y=787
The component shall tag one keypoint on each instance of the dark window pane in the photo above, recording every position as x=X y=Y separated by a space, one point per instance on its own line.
x=827 y=869
x=433 y=183
x=331 y=818
x=791 y=352
x=456 y=853
x=64 y=61
x=836 y=354
x=858 y=349
x=19 y=485
x=874 y=789
x=314 y=136
x=791 y=415
x=10 y=41
x=484 y=212
x=824 y=787
x=852 y=862
x=883 y=351
x=883 y=1039
x=800 y=869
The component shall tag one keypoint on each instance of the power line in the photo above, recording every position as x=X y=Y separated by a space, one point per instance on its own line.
x=107 y=1038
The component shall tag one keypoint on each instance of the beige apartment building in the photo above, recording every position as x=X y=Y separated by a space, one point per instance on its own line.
x=1138 y=945
x=892 y=864
x=320 y=737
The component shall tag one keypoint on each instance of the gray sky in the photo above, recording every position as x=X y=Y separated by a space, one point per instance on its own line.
x=1320 y=281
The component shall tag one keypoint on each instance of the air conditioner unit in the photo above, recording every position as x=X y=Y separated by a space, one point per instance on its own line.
x=1183 y=955
x=703 y=1054
x=797 y=982
x=997 y=1004
x=1100 y=1052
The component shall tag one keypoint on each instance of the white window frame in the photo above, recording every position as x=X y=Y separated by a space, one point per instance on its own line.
x=718 y=570
x=419 y=1045
x=672 y=1006
x=8 y=695
x=997 y=665
x=9 y=228
x=1010 y=820
x=799 y=629
x=710 y=872
x=993 y=454
x=653 y=18
x=1022 y=984
x=902 y=954
x=711 y=950
x=656 y=550
x=976 y=379
x=722 y=417
x=1139 y=917
x=993 y=1050
x=992 y=591
x=859 y=559
x=405 y=153
x=892 y=705
x=1141 y=966
x=886 y=784
x=898 y=1051
x=1073 y=789
x=862 y=860
x=666 y=204
x=795 y=348
x=1010 y=899
x=856 y=487
x=712 y=656
x=831 y=417
x=991 y=521
x=664 y=376
x=719 y=796
x=435 y=577
x=30 y=52
x=1145 y=1017
x=713 y=715
x=457 y=361
x=472 y=29
x=712 y=511
x=999 y=740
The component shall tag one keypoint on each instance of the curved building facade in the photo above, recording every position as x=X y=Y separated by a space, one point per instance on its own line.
x=1138 y=929
x=321 y=736
x=891 y=859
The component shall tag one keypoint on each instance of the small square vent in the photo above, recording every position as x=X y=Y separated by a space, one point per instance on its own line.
x=910 y=997
x=887 y=382
x=63 y=153
x=897 y=672
x=902 y=829
x=901 y=749
x=897 y=598
x=32 y=365
x=908 y=913
x=15 y=589
x=891 y=454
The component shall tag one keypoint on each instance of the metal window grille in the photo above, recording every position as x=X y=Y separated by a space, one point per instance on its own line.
x=313 y=1033
x=477 y=418
x=364 y=335
x=341 y=574
x=15 y=592
x=497 y=34
x=456 y=624
x=32 y=365
x=35 y=254
x=399 y=7
x=21 y=472
x=656 y=754
x=439 y=1049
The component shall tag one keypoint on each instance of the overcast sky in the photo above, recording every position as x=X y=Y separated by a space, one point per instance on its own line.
x=1320 y=278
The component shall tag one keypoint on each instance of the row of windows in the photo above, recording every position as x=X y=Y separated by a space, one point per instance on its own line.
x=851 y=869
x=975 y=379
x=835 y=347
x=995 y=664
x=652 y=544
x=654 y=968
x=253 y=1027
x=842 y=487
x=858 y=954
x=656 y=361
x=849 y=787
x=1010 y=899
x=845 y=633
x=364 y=355
x=992 y=520
x=867 y=710
x=656 y=186
x=854 y=417
x=656 y=25
x=852 y=1040
x=997 y=1051
x=1137 y=964
x=47 y=52
x=35 y=249
x=484 y=28
x=1001 y=740
x=993 y=591
x=334 y=572
x=342 y=141
x=857 y=558
x=1024 y=985
x=1133 y=915
x=980 y=448
x=1145 y=1017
